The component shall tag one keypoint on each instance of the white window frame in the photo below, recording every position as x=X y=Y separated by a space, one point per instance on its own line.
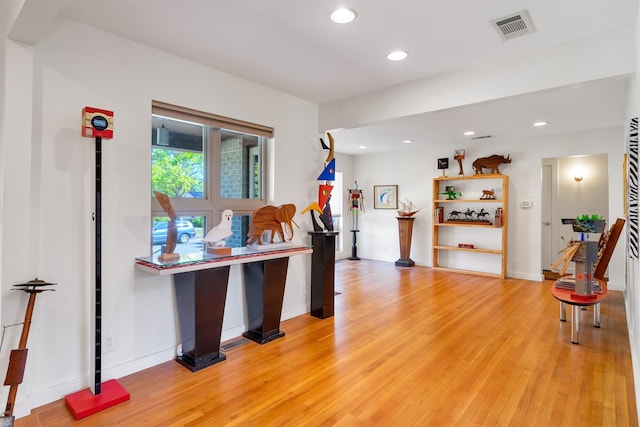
x=211 y=205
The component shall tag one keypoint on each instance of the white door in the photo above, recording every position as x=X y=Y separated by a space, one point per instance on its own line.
x=548 y=250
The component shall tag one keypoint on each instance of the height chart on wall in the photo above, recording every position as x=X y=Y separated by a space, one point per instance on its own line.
x=632 y=183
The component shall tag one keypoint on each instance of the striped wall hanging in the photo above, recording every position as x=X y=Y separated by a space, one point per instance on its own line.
x=632 y=190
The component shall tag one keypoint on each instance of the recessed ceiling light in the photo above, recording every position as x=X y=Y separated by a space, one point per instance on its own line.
x=397 y=55
x=343 y=15
x=469 y=133
x=538 y=124
x=407 y=141
x=362 y=147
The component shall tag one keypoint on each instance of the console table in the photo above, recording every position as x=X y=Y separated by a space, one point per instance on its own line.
x=567 y=296
x=201 y=281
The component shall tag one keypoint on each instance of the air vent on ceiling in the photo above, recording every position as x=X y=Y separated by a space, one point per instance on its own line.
x=482 y=137
x=515 y=25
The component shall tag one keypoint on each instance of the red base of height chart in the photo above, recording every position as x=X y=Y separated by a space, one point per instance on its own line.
x=84 y=403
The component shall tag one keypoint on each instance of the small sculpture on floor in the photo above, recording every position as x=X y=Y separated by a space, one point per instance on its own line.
x=459 y=156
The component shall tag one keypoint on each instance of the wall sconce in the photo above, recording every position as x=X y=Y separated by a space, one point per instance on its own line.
x=578 y=173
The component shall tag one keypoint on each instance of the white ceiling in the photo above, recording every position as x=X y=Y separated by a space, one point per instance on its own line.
x=292 y=46
x=598 y=104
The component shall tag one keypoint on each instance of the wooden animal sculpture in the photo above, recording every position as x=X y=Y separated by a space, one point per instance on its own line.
x=218 y=235
x=172 y=229
x=488 y=195
x=271 y=218
x=482 y=215
x=491 y=163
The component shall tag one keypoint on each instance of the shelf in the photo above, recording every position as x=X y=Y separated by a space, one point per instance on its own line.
x=463 y=224
x=470 y=177
x=467 y=201
x=444 y=233
x=456 y=248
x=473 y=272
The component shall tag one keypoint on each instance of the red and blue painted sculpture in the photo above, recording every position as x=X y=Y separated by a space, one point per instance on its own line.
x=322 y=206
x=356 y=204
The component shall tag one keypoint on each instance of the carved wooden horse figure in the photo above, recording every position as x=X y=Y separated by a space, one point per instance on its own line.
x=482 y=215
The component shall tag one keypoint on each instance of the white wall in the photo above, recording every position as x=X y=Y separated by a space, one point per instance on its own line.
x=413 y=173
x=48 y=199
x=589 y=196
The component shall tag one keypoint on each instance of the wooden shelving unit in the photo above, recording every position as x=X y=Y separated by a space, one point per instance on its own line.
x=493 y=243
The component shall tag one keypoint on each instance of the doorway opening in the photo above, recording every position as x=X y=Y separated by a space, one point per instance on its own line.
x=571 y=186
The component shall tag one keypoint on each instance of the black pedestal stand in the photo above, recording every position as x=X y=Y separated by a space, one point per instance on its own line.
x=264 y=294
x=200 y=300
x=323 y=262
x=354 y=246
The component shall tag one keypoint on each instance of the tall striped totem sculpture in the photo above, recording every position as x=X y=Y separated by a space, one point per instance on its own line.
x=322 y=206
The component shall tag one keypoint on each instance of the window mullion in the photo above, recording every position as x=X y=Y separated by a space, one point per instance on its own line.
x=214 y=156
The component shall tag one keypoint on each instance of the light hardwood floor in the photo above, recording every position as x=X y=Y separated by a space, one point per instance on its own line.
x=406 y=347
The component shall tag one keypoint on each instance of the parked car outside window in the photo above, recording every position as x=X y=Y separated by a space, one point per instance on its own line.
x=185 y=232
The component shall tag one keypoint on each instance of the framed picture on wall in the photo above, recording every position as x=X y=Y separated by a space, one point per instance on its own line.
x=385 y=197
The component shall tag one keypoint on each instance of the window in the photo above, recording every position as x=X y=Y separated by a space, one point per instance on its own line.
x=205 y=164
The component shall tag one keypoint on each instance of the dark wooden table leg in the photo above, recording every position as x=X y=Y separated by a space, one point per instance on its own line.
x=264 y=283
x=200 y=299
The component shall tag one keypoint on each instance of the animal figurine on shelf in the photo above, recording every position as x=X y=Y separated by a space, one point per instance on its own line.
x=270 y=218
x=482 y=215
x=451 y=193
x=488 y=195
x=492 y=163
x=218 y=235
